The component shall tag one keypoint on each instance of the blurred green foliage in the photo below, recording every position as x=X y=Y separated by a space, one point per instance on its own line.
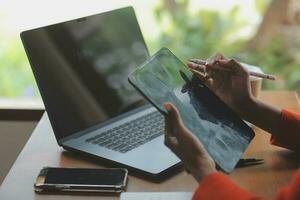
x=275 y=59
x=261 y=6
x=189 y=35
x=16 y=78
x=201 y=34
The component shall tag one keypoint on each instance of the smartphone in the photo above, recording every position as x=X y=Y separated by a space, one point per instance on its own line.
x=164 y=78
x=51 y=179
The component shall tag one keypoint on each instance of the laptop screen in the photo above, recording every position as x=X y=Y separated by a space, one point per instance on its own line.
x=81 y=68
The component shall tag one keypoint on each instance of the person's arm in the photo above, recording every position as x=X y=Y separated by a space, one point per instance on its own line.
x=212 y=185
x=226 y=189
x=263 y=115
x=288 y=135
x=284 y=125
x=217 y=186
x=231 y=83
x=234 y=90
x=291 y=191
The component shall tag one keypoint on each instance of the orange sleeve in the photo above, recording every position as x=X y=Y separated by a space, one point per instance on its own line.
x=289 y=131
x=217 y=186
x=292 y=190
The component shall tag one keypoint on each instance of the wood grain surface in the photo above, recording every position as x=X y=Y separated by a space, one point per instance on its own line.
x=42 y=150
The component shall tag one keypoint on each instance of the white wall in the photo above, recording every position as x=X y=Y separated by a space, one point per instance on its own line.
x=13 y=136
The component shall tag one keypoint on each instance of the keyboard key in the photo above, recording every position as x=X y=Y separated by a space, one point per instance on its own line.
x=131 y=135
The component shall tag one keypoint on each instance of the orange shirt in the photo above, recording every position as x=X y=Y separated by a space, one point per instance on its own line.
x=289 y=138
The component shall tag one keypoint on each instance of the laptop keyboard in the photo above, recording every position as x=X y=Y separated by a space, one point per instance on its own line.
x=131 y=134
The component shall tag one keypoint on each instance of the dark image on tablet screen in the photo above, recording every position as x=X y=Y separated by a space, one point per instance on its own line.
x=164 y=78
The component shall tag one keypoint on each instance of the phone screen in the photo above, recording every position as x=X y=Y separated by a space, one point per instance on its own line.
x=164 y=78
x=77 y=176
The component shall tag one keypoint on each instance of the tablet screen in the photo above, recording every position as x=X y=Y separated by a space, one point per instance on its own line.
x=164 y=78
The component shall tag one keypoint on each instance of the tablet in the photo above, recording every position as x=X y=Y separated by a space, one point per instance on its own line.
x=164 y=78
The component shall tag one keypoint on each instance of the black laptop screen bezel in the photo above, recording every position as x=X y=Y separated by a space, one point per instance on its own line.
x=42 y=92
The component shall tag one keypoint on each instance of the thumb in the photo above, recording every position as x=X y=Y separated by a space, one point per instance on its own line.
x=174 y=117
x=183 y=136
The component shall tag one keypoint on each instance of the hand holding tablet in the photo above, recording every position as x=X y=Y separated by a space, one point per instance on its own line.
x=164 y=78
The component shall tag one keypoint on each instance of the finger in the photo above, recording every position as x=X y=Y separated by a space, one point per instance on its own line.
x=212 y=66
x=170 y=141
x=173 y=144
x=168 y=127
x=215 y=58
x=168 y=121
x=216 y=72
x=226 y=66
x=198 y=67
x=181 y=133
x=178 y=125
x=183 y=137
x=203 y=77
x=234 y=66
x=209 y=82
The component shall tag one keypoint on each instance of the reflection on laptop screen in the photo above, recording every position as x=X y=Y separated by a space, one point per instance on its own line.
x=82 y=66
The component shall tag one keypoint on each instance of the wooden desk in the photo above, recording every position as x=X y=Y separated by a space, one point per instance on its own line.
x=42 y=150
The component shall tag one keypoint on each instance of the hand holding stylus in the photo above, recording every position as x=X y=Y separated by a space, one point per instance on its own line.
x=233 y=87
x=200 y=65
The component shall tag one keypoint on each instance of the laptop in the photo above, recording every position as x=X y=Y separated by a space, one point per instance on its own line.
x=81 y=68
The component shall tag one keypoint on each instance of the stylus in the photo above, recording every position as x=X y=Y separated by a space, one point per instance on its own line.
x=244 y=162
x=256 y=74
